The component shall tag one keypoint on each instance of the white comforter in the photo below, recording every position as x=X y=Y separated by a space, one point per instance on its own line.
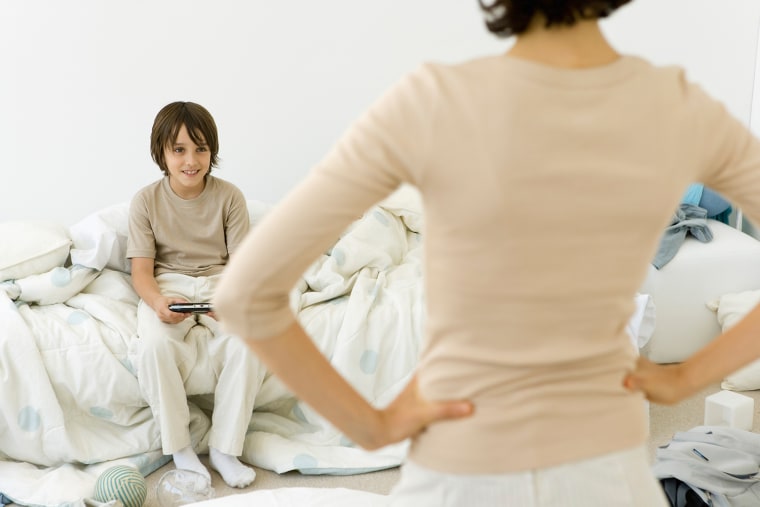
x=71 y=405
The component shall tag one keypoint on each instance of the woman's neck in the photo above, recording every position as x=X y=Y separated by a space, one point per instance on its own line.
x=577 y=46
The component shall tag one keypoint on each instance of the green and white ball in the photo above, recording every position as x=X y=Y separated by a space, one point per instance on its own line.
x=122 y=483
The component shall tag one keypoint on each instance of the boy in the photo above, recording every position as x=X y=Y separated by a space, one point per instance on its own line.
x=182 y=230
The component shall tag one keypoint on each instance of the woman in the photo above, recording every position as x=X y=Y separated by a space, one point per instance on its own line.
x=548 y=175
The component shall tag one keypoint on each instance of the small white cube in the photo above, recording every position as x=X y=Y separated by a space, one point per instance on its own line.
x=727 y=408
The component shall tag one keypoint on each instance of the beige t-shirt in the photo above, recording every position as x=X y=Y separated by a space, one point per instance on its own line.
x=545 y=192
x=194 y=237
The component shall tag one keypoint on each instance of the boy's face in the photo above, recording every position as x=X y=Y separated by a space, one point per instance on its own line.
x=188 y=165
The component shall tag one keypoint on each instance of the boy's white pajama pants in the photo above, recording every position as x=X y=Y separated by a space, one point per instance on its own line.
x=195 y=357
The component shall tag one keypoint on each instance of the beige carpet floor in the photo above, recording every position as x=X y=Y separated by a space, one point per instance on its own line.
x=664 y=421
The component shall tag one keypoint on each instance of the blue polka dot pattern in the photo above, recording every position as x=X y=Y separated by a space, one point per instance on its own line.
x=77 y=317
x=29 y=419
x=122 y=483
x=380 y=217
x=305 y=461
x=145 y=465
x=129 y=366
x=368 y=362
x=101 y=412
x=60 y=277
x=339 y=256
x=298 y=412
x=345 y=442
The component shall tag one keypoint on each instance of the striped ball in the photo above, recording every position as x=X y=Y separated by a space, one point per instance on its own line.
x=122 y=483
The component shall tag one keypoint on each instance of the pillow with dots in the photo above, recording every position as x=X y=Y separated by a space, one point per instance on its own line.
x=56 y=286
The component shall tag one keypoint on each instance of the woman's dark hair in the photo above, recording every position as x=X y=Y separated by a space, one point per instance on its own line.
x=510 y=17
x=200 y=127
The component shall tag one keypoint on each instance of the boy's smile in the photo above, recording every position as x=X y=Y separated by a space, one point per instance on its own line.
x=188 y=164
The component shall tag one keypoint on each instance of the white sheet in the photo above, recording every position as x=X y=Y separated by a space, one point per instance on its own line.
x=363 y=304
x=70 y=398
x=71 y=405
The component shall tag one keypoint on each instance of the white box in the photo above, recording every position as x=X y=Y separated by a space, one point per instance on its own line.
x=727 y=408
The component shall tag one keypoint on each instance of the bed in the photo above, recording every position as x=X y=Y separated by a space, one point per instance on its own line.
x=71 y=406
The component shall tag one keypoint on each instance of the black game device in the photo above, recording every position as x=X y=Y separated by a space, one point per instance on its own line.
x=190 y=307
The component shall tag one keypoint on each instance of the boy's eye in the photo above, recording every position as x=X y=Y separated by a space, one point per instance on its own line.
x=178 y=150
x=202 y=148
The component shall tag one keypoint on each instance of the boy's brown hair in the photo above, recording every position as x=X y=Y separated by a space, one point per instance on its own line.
x=200 y=125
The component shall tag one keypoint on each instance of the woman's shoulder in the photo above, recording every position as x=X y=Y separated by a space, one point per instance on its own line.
x=504 y=65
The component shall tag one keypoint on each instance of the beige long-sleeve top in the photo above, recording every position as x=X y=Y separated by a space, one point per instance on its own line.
x=545 y=194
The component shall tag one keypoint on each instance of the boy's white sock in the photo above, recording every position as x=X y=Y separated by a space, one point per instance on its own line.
x=186 y=459
x=234 y=473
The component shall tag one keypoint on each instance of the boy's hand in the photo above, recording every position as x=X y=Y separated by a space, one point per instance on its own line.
x=161 y=307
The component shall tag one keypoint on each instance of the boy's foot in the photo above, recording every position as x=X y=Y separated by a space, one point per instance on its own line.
x=186 y=459
x=234 y=473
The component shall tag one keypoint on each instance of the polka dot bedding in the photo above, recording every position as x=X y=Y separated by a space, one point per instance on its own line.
x=69 y=387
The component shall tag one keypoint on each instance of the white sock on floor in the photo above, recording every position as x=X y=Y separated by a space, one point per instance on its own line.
x=234 y=473
x=186 y=459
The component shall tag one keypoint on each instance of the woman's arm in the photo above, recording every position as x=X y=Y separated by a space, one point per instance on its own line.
x=669 y=384
x=316 y=382
x=388 y=145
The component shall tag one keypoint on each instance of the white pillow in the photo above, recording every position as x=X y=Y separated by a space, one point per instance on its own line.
x=730 y=309
x=31 y=247
x=100 y=239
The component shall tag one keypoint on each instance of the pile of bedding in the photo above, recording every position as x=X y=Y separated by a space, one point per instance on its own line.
x=71 y=406
x=71 y=403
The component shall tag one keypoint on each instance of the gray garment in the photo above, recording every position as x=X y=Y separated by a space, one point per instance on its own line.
x=687 y=219
x=719 y=463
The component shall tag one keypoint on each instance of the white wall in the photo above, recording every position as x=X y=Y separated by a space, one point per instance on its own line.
x=282 y=78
